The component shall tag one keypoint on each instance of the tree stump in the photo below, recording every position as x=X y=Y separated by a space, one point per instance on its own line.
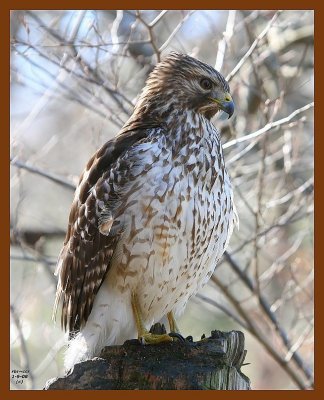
x=212 y=363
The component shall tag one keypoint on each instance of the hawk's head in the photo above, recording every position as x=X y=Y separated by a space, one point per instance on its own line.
x=188 y=83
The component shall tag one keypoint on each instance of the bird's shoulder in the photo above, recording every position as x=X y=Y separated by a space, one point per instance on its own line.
x=91 y=234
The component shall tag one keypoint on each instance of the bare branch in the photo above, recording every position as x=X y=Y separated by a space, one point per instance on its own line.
x=268 y=127
x=149 y=28
x=252 y=47
x=300 y=190
x=175 y=31
x=225 y=40
x=158 y=18
x=267 y=310
x=52 y=177
x=25 y=359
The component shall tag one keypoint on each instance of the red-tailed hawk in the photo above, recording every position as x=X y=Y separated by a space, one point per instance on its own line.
x=152 y=214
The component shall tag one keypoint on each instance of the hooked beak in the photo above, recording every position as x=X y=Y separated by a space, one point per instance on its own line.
x=225 y=104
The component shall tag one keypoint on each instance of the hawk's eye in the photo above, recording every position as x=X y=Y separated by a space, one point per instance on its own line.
x=206 y=84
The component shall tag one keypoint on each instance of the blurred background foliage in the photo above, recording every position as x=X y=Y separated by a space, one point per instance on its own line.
x=75 y=76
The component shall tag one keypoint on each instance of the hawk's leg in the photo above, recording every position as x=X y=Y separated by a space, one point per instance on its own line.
x=172 y=322
x=144 y=335
x=175 y=331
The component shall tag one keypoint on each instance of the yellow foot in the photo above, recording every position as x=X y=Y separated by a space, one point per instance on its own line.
x=150 y=338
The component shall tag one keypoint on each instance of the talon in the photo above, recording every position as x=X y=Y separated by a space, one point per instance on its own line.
x=145 y=337
x=150 y=338
x=177 y=336
x=189 y=339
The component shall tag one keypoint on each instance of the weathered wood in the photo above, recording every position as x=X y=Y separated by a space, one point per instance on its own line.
x=212 y=363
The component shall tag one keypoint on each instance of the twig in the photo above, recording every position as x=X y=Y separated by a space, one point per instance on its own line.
x=50 y=356
x=33 y=259
x=149 y=28
x=25 y=360
x=297 y=192
x=252 y=47
x=274 y=268
x=225 y=40
x=67 y=92
x=176 y=29
x=157 y=19
x=254 y=330
x=268 y=127
x=16 y=43
x=267 y=310
x=83 y=64
x=225 y=310
x=34 y=170
x=299 y=341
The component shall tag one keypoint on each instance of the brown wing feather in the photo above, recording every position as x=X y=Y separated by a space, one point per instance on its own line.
x=86 y=254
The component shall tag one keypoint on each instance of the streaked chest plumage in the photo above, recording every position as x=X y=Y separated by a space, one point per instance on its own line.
x=177 y=220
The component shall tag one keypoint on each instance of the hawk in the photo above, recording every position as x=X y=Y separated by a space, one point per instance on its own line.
x=152 y=214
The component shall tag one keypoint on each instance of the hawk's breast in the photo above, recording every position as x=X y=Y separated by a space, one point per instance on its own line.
x=177 y=223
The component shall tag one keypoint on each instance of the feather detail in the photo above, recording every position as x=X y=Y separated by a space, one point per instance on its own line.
x=152 y=214
x=91 y=236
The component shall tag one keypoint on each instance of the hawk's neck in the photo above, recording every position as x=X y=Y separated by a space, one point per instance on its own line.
x=189 y=126
x=180 y=126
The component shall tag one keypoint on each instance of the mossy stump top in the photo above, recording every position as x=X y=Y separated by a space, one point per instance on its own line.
x=212 y=363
